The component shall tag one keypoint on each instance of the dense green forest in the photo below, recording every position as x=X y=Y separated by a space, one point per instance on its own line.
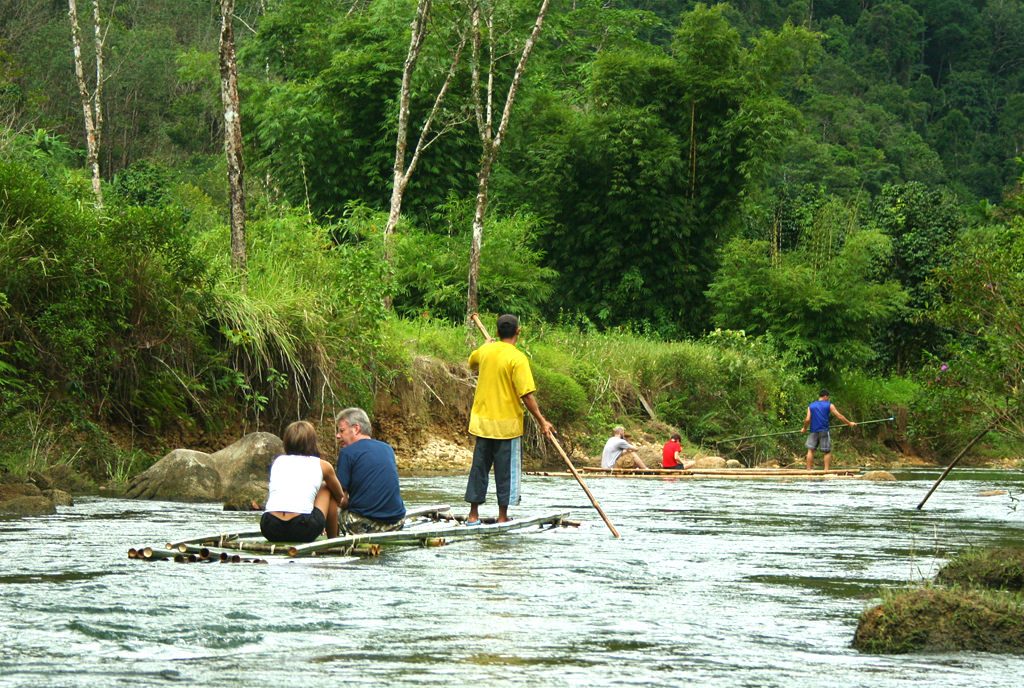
x=821 y=192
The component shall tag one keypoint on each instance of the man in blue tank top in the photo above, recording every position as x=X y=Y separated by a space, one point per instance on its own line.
x=817 y=418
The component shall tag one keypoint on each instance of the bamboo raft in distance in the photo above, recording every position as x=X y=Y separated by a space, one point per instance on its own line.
x=422 y=529
x=707 y=473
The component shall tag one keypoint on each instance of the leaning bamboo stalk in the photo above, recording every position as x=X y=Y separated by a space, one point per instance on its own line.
x=963 y=452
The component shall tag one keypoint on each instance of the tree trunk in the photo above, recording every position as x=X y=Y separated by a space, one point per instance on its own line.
x=475 y=247
x=402 y=173
x=490 y=140
x=399 y=177
x=91 y=107
x=232 y=133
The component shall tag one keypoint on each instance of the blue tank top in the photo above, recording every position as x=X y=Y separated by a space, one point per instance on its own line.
x=819 y=415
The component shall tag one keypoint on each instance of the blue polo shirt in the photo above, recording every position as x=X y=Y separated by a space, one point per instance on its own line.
x=367 y=471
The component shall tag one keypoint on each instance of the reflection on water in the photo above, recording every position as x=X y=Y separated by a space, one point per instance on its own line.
x=726 y=583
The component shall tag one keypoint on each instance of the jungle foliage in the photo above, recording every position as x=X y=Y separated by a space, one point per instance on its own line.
x=781 y=194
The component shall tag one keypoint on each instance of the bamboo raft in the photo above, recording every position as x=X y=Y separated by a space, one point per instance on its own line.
x=707 y=473
x=423 y=528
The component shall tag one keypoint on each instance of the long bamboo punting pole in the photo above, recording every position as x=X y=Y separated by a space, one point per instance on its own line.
x=963 y=452
x=565 y=457
x=583 y=484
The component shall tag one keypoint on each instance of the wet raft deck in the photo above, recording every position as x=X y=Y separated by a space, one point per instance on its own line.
x=424 y=527
x=710 y=473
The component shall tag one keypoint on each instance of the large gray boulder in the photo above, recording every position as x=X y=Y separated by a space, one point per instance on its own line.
x=185 y=475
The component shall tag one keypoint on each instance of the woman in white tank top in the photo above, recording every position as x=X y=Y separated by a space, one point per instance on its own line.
x=304 y=490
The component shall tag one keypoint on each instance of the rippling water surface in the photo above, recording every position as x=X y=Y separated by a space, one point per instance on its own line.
x=725 y=583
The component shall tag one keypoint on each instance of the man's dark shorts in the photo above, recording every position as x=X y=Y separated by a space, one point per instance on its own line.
x=506 y=458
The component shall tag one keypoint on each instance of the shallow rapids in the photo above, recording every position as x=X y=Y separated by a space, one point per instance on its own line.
x=714 y=582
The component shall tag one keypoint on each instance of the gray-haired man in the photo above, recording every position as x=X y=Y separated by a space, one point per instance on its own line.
x=368 y=472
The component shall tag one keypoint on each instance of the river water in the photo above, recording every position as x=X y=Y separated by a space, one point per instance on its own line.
x=714 y=582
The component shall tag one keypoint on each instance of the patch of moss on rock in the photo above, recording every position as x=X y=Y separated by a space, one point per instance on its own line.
x=998 y=569
x=943 y=620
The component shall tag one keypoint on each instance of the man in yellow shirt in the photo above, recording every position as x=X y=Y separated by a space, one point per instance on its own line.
x=497 y=419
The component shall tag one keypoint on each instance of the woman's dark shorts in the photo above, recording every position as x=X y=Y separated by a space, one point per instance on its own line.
x=302 y=528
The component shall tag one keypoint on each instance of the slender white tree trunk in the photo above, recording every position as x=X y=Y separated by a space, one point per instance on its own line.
x=92 y=109
x=416 y=39
x=232 y=133
x=402 y=173
x=491 y=140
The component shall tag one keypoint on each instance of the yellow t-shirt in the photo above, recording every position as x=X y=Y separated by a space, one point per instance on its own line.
x=505 y=377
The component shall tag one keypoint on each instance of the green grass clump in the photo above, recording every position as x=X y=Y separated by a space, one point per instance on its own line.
x=933 y=619
x=999 y=569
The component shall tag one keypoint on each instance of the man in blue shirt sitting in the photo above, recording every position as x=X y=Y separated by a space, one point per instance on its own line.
x=368 y=473
x=817 y=417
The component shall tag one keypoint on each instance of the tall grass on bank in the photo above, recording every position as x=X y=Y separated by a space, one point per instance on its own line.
x=303 y=324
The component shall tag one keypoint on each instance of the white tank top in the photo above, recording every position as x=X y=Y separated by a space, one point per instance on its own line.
x=294 y=482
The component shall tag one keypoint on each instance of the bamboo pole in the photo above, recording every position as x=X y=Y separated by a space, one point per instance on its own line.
x=963 y=452
x=715 y=471
x=224 y=539
x=682 y=475
x=579 y=479
x=795 y=432
x=447 y=532
x=565 y=457
x=218 y=537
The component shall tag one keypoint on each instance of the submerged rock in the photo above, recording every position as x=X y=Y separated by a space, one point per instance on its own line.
x=878 y=476
x=59 y=497
x=709 y=462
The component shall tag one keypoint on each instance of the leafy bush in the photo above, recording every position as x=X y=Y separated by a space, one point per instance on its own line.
x=825 y=301
x=431 y=271
x=561 y=398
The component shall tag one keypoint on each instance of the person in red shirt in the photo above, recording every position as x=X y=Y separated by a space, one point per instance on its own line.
x=670 y=453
